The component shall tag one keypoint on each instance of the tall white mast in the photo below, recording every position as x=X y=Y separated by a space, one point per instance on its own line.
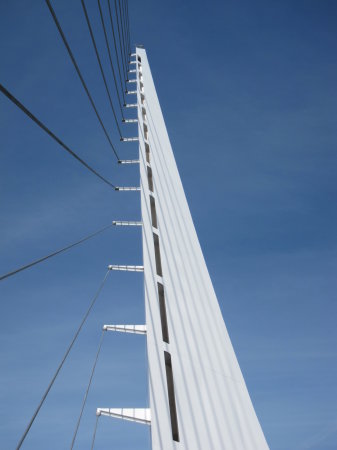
x=198 y=397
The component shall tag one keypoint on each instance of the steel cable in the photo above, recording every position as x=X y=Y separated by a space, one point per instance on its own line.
x=128 y=15
x=126 y=29
x=122 y=12
x=62 y=362
x=125 y=68
x=128 y=25
x=110 y=59
x=87 y=390
x=100 y=65
x=94 y=434
x=122 y=32
x=34 y=263
x=123 y=85
x=51 y=134
x=80 y=75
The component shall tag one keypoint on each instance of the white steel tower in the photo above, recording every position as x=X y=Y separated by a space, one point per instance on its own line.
x=198 y=397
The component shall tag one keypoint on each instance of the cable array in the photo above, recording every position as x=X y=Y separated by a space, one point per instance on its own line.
x=87 y=390
x=123 y=32
x=51 y=134
x=124 y=63
x=126 y=37
x=128 y=25
x=109 y=53
x=79 y=74
x=100 y=66
x=123 y=88
x=62 y=362
x=118 y=63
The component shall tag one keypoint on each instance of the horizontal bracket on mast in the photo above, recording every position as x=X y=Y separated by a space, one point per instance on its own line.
x=128 y=161
x=130 y=120
x=133 y=62
x=118 y=188
x=125 y=223
x=126 y=268
x=130 y=105
x=132 y=71
x=139 y=415
x=129 y=139
x=132 y=81
x=135 y=329
x=131 y=92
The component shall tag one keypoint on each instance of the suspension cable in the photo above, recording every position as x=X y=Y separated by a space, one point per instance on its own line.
x=100 y=64
x=120 y=42
x=62 y=362
x=126 y=28
x=87 y=390
x=110 y=59
x=128 y=16
x=51 y=134
x=33 y=263
x=128 y=24
x=122 y=32
x=80 y=75
x=122 y=13
x=116 y=51
x=94 y=434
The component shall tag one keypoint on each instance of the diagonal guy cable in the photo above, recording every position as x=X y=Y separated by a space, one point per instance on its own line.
x=126 y=29
x=116 y=51
x=87 y=390
x=94 y=433
x=33 y=263
x=110 y=59
x=51 y=134
x=100 y=64
x=125 y=68
x=61 y=363
x=128 y=24
x=122 y=12
x=79 y=74
x=122 y=32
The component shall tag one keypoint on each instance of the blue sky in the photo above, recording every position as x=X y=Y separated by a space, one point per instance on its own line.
x=248 y=91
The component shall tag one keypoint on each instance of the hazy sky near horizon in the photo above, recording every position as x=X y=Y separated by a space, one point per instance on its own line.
x=249 y=94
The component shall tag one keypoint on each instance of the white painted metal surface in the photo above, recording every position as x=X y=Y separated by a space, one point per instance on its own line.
x=135 y=329
x=126 y=268
x=126 y=223
x=140 y=415
x=128 y=161
x=129 y=139
x=214 y=410
x=131 y=188
x=130 y=120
